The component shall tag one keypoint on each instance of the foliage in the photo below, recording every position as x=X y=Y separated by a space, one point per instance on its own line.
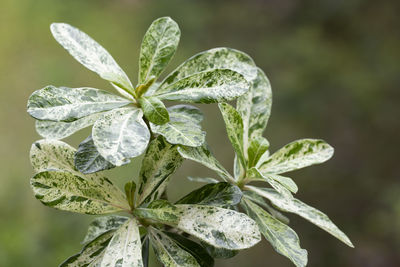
x=207 y=222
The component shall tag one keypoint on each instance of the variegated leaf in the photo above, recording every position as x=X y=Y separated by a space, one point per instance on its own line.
x=207 y=180
x=219 y=85
x=258 y=146
x=255 y=107
x=220 y=194
x=60 y=185
x=220 y=253
x=216 y=58
x=203 y=156
x=276 y=181
x=234 y=129
x=169 y=253
x=121 y=134
x=238 y=169
x=183 y=127
x=154 y=110
x=160 y=161
x=311 y=214
x=91 y=254
x=297 y=155
x=158 y=47
x=124 y=248
x=61 y=129
x=90 y=54
x=69 y=104
x=282 y=238
x=102 y=225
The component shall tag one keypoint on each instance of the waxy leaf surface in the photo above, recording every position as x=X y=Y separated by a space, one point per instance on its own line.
x=154 y=110
x=102 y=225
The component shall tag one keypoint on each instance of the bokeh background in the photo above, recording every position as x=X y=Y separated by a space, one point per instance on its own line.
x=334 y=69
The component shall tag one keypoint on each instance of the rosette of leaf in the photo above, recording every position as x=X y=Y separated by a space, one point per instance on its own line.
x=173 y=230
x=122 y=125
x=253 y=162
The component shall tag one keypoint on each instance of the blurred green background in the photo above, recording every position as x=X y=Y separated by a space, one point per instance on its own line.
x=334 y=69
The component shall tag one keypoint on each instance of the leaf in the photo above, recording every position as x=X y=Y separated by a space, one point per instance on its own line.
x=279 y=183
x=258 y=146
x=234 y=129
x=238 y=169
x=169 y=253
x=120 y=135
x=160 y=161
x=69 y=104
x=125 y=248
x=88 y=159
x=91 y=254
x=154 y=110
x=206 y=180
x=282 y=238
x=130 y=192
x=297 y=155
x=311 y=214
x=198 y=252
x=102 y=225
x=203 y=156
x=183 y=127
x=220 y=194
x=255 y=107
x=90 y=54
x=145 y=251
x=220 y=85
x=216 y=58
x=220 y=253
x=61 y=129
x=59 y=185
x=158 y=47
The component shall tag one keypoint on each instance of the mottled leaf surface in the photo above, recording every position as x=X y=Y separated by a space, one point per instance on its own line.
x=220 y=253
x=279 y=183
x=311 y=214
x=158 y=47
x=297 y=155
x=218 y=85
x=154 y=110
x=69 y=104
x=121 y=134
x=102 y=225
x=282 y=238
x=258 y=146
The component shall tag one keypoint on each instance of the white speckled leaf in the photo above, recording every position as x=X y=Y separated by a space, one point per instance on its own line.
x=255 y=107
x=69 y=104
x=102 y=225
x=169 y=253
x=311 y=214
x=89 y=53
x=279 y=183
x=120 y=135
x=61 y=129
x=183 y=127
x=257 y=147
x=282 y=238
x=297 y=155
x=160 y=161
x=158 y=47
x=219 y=85
x=154 y=110
x=124 y=248
x=216 y=58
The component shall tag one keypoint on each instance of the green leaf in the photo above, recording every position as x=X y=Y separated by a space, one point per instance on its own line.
x=88 y=159
x=120 y=135
x=297 y=155
x=158 y=47
x=130 y=192
x=160 y=161
x=61 y=129
x=183 y=127
x=124 y=248
x=69 y=104
x=59 y=185
x=234 y=129
x=216 y=58
x=238 y=168
x=282 y=238
x=102 y=225
x=154 y=110
x=219 y=85
x=169 y=253
x=220 y=253
x=258 y=146
x=203 y=156
x=145 y=251
x=220 y=194
x=206 y=180
x=90 y=54
x=198 y=252
x=255 y=107
x=91 y=254
x=279 y=183
x=311 y=214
